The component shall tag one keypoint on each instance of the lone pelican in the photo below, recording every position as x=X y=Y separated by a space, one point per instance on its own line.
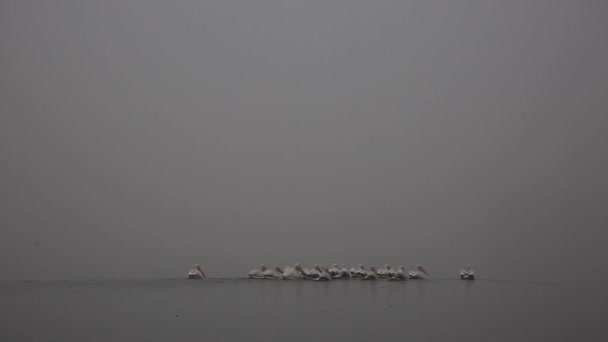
x=467 y=273
x=196 y=272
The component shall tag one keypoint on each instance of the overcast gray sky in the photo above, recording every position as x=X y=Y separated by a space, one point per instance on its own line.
x=140 y=137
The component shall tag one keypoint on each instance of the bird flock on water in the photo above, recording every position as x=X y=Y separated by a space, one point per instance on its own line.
x=320 y=272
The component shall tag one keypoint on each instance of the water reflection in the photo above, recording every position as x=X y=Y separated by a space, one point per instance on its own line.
x=396 y=292
x=263 y=310
x=373 y=290
x=468 y=285
x=299 y=291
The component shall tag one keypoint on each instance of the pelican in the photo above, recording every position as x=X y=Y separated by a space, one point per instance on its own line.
x=372 y=274
x=344 y=273
x=311 y=273
x=390 y=272
x=382 y=272
x=293 y=273
x=360 y=272
x=316 y=272
x=258 y=273
x=196 y=272
x=323 y=273
x=300 y=270
x=274 y=273
x=334 y=271
x=400 y=274
x=418 y=273
x=467 y=273
x=386 y=272
x=306 y=272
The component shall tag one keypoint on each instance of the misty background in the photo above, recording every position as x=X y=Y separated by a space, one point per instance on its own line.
x=139 y=137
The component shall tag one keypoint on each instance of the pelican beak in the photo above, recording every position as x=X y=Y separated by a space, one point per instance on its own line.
x=421 y=269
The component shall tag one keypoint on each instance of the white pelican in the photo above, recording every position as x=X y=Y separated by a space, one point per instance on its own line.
x=344 y=273
x=467 y=273
x=315 y=273
x=274 y=273
x=300 y=270
x=293 y=273
x=334 y=271
x=308 y=273
x=382 y=272
x=372 y=274
x=400 y=274
x=196 y=272
x=386 y=272
x=418 y=273
x=323 y=273
x=360 y=272
x=258 y=273
x=390 y=272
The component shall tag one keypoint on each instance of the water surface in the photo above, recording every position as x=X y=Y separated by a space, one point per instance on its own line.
x=267 y=310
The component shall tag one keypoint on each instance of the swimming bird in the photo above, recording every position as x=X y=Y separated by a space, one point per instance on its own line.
x=372 y=274
x=334 y=271
x=467 y=274
x=292 y=273
x=196 y=272
x=418 y=273
x=300 y=270
x=258 y=273
x=274 y=273
x=311 y=273
x=316 y=272
x=399 y=275
x=344 y=273
x=323 y=273
x=386 y=272
x=360 y=272
x=382 y=272
x=390 y=272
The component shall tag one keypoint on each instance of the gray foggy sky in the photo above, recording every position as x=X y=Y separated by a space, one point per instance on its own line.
x=140 y=137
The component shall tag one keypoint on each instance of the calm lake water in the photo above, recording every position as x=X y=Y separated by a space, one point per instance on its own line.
x=267 y=310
